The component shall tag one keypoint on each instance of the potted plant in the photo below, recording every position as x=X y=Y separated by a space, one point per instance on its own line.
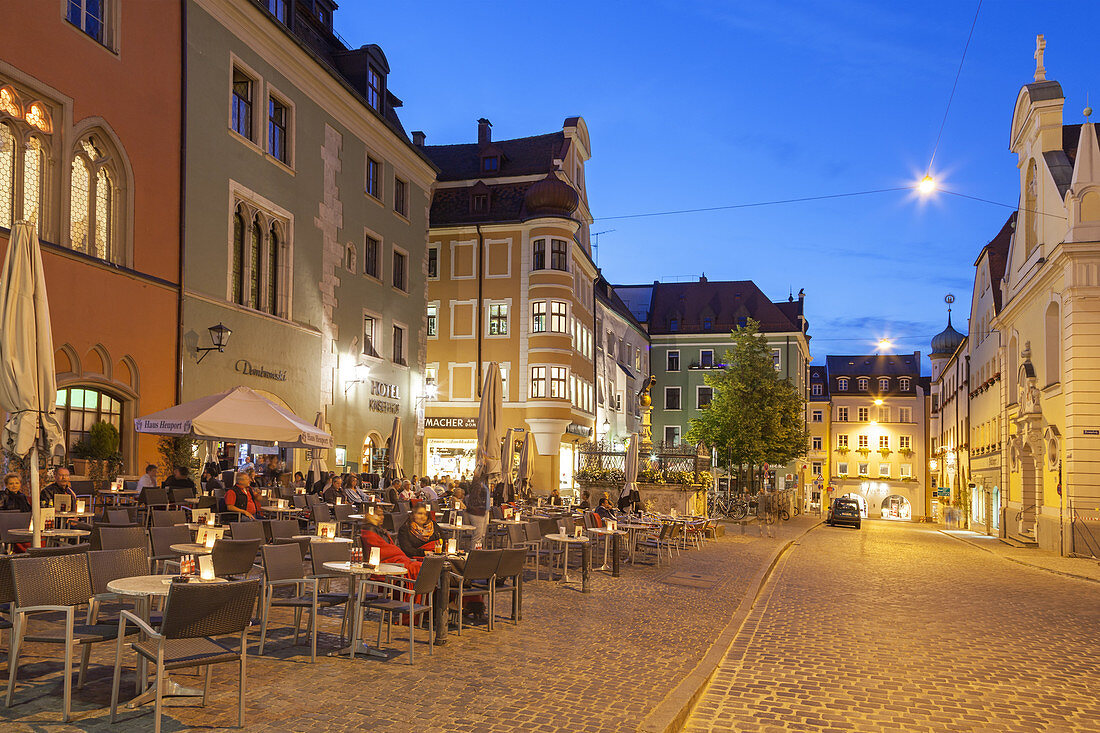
x=98 y=454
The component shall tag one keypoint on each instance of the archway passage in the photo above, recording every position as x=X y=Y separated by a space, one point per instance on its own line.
x=859 y=498
x=896 y=507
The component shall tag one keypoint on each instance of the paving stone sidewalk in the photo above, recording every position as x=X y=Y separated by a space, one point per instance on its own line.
x=577 y=662
x=1078 y=567
x=897 y=627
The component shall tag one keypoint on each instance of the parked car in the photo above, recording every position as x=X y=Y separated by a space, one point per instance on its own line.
x=844 y=511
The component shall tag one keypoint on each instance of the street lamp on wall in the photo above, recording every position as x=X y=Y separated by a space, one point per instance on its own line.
x=219 y=336
x=361 y=376
x=430 y=392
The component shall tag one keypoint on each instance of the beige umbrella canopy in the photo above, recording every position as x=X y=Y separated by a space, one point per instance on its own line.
x=394 y=450
x=238 y=414
x=631 y=480
x=507 y=456
x=28 y=387
x=490 y=423
x=526 y=464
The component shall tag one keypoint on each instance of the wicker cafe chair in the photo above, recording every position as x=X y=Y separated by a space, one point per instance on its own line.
x=511 y=568
x=478 y=578
x=162 y=539
x=119 y=538
x=53 y=584
x=59 y=550
x=163 y=518
x=7 y=595
x=404 y=601
x=283 y=567
x=193 y=613
x=235 y=557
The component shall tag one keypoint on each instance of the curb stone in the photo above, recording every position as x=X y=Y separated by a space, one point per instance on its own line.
x=1018 y=561
x=673 y=711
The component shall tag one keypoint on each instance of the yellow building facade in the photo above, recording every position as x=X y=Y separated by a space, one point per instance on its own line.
x=510 y=280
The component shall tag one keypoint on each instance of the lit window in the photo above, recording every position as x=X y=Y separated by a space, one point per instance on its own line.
x=538 y=255
x=864 y=442
x=884 y=469
x=538 y=316
x=498 y=319
x=538 y=381
x=276 y=130
x=905 y=470
x=842 y=469
x=371 y=251
x=369 y=331
x=78 y=408
x=7 y=176
x=884 y=442
x=433 y=320
x=558 y=316
x=241 y=104
x=559 y=381
x=864 y=469
x=842 y=440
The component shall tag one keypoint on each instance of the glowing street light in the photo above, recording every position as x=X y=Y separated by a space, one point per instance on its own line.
x=878 y=401
x=927 y=186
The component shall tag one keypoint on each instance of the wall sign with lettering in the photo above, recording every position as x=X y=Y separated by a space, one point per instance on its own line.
x=451 y=422
x=244 y=366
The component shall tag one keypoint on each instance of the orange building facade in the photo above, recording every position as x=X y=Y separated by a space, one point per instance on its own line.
x=90 y=151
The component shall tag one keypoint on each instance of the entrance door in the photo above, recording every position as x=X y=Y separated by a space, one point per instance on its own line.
x=1029 y=473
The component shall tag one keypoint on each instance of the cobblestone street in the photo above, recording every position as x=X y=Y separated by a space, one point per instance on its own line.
x=577 y=662
x=899 y=627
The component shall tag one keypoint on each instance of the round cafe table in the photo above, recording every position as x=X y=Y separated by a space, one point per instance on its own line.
x=358 y=574
x=610 y=537
x=633 y=528
x=190 y=548
x=319 y=538
x=566 y=540
x=59 y=533
x=143 y=588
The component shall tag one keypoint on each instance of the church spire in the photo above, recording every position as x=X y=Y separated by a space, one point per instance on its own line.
x=1086 y=167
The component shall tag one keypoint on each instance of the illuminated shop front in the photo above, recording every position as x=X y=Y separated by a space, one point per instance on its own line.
x=451 y=456
x=882 y=499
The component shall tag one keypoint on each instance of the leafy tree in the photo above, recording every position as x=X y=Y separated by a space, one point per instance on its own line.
x=755 y=415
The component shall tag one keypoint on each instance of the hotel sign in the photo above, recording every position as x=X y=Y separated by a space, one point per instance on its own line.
x=388 y=392
x=461 y=423
x=244 y=366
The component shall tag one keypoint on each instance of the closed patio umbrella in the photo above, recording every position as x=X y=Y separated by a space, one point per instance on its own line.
x=489 y=424
x=394 y=469
x=631 y=473
x=526 y=465
x=507 y=456
x=317 y=466
x=28 y=387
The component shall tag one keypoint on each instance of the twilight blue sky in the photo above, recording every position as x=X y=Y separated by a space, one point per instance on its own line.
x=692 y=104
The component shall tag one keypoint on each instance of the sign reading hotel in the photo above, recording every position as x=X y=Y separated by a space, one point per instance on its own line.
x=244 y=366
x=451 y=422
x=387 y=391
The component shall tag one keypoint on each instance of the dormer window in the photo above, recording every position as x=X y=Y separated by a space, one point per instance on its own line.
x=842 y=384
x=374 y=88
x=863 y=383
x=708 y=324
x=490 y=164
x=884 y=384
x=674 y=324
x=903 y=384
x=323 y=15
x=479 y=202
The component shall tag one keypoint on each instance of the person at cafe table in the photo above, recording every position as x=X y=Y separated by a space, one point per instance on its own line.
x=242 y=498
x=148 y=479
x=418 y=533
x=60 y=486
x=13 y=498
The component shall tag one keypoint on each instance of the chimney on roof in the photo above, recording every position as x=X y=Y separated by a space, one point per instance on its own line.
x=703 y=278
x=484 y=131
x=418 y=138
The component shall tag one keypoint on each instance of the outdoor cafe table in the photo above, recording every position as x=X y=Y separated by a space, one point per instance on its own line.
x=566 y=540
x=190 y=548
x=633 y=528
x=143 y=588
x=611 y=538
x=319 y=538
x=455 y=529
x=116 y=496
x=58 y=533
x=281 y=510
x=358 y=573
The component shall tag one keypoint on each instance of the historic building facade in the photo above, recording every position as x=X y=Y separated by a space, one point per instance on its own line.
x=877 y=433
x=306 y=223
x=88 y=158
x=689 y=328
x=510 y=279
x=816 y=468
x=622 y=366
x=1049 y=322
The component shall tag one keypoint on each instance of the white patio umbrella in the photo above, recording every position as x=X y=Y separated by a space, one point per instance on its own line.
x=394 y=449
x=507 y=456
x=489 y=424
x=631 y=481
x=236 y=415
x=317 y=466
x=28 y=387
x=526 y=463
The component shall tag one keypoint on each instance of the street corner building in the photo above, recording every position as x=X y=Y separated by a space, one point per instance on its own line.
x=511 y=280
x=1018 y=433
x=868 y=426
x=95 y=165
x=306 y=224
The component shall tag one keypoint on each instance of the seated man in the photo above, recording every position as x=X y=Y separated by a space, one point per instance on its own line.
x=180 y=479
x=148 y=479
x=60 y=485
x=242 y=498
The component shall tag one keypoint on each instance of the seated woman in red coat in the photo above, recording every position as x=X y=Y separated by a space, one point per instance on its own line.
x=418 y=533
x=375 y=535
